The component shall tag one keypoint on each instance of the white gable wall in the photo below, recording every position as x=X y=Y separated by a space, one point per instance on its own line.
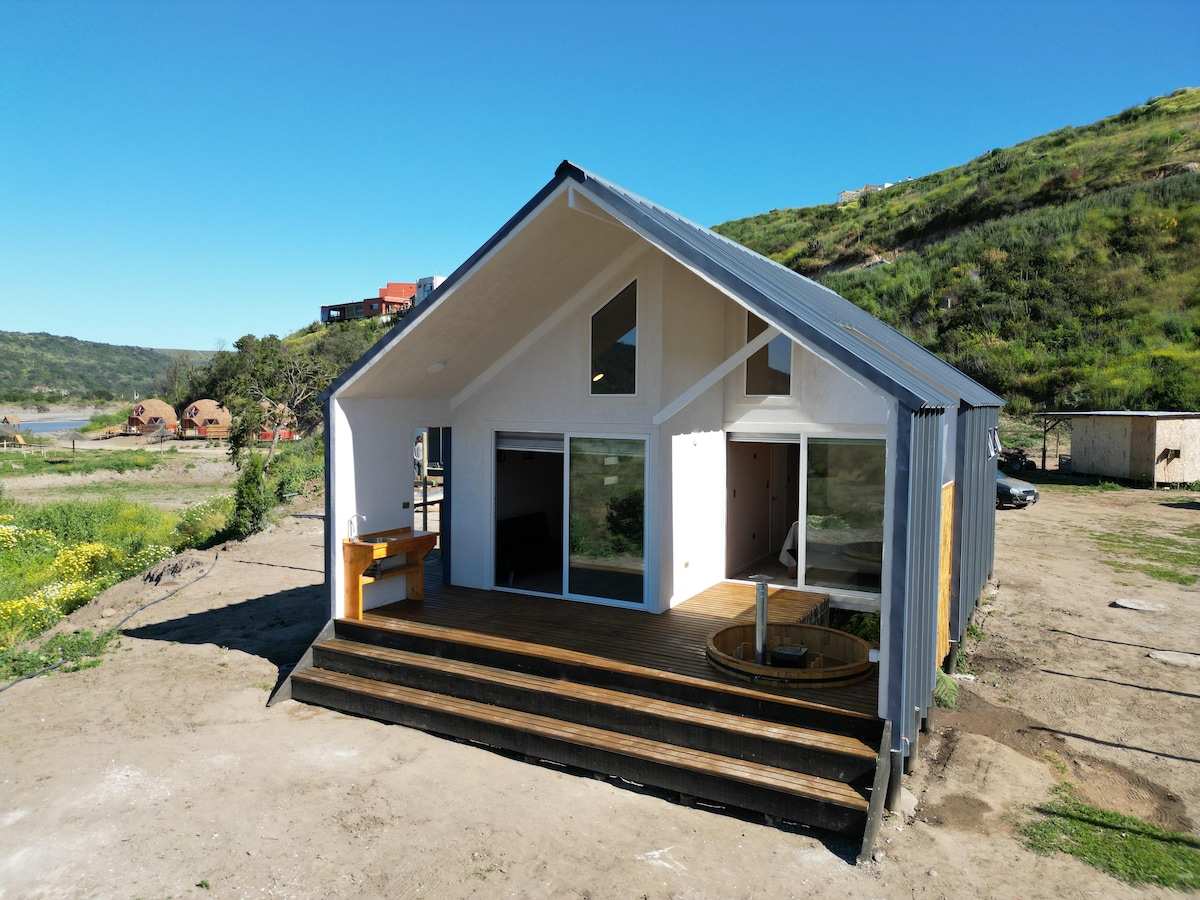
x=548 y=389
x=686 y=329
x=823 y=397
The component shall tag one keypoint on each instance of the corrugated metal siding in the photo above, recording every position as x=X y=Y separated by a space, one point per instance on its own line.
x=974 y=514
x=913 y=616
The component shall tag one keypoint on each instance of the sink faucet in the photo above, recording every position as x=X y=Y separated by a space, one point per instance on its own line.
x=352 y=525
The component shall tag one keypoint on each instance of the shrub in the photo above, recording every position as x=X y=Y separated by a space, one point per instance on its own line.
x=295 y=468
x=202 y=524
x=252 y=500
x=864 y=625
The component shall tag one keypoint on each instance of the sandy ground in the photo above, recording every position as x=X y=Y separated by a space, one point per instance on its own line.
x=163 y=773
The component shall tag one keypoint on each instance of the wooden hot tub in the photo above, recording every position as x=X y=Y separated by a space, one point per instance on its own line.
x=804 y=656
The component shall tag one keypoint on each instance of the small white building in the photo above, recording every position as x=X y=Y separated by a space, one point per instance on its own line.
x=426 y=286
x=634 y=409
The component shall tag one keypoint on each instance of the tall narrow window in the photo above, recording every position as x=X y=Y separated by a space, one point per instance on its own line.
x=614 y=345
x=769 y=371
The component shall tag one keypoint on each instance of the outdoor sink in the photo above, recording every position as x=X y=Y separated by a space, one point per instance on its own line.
x=377 y=540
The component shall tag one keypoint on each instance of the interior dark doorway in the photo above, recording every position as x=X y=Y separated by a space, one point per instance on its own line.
x=529 y=513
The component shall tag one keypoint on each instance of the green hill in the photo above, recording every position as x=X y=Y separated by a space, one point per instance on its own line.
x=1063 y=272
x=31 y=363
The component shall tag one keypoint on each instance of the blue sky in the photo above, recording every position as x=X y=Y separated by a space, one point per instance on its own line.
x=179 y=174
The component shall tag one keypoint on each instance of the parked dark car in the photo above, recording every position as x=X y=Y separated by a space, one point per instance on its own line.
x=1014 y=492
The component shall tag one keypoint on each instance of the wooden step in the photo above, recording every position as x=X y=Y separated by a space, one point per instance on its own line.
x=556 y=662
x=787 y=746
x=822 y=802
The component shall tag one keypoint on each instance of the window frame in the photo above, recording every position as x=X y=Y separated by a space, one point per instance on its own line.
x=595 y=377
x=764 y=354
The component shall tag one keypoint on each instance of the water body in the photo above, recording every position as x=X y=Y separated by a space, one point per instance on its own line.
x=43 y=427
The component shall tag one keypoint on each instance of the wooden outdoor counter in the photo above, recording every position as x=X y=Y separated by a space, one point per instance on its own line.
x=365 y=562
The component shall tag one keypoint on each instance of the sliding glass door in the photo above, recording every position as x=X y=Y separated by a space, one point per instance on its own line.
x=606 y=507
x=599 y=493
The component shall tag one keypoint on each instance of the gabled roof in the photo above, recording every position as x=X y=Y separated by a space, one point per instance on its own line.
x=797 y=306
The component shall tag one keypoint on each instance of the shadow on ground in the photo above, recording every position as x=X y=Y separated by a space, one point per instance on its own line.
x=278 y=627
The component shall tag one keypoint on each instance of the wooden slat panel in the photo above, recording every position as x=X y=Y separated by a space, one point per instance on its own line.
x=946 y=563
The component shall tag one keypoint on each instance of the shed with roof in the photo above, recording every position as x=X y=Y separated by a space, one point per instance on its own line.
x=1140 y=446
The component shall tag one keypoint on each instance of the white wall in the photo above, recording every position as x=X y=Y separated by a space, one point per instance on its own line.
x=372 y=475
x=697 y=525
x=548 y=388
x=692 y=444
x=823 y=396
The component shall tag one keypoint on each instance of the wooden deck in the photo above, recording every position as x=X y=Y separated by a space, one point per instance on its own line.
x=673 y=641
x=618 y=692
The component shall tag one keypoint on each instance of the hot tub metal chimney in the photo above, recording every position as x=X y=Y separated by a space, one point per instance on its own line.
x=760 y=618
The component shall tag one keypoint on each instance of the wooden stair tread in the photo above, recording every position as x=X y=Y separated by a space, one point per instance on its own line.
x=766 y=777
x=759 y=728
x=574 y=657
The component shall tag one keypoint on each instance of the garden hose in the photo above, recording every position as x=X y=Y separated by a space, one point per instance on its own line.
x=117 y=627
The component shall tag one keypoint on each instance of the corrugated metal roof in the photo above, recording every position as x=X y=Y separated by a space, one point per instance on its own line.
x=1123 y=413
x=795 y=304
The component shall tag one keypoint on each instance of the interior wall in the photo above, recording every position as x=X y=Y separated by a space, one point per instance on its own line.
x=785 y=492
x=748 y=504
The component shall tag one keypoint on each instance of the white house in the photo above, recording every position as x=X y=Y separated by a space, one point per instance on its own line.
x=634 y=408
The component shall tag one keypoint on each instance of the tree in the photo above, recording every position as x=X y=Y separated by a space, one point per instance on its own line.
x=173 y=384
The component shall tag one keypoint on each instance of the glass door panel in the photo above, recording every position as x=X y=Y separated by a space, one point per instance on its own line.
x=606 y=507
x=844 y=514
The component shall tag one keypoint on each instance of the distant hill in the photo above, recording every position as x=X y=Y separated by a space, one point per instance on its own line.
x=33 y=363
x=1062 y=272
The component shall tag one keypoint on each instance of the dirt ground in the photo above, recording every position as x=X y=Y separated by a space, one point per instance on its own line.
x=162 y=772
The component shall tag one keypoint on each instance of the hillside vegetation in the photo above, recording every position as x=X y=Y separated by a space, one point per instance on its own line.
x=1063 y=272
x=83 y=369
